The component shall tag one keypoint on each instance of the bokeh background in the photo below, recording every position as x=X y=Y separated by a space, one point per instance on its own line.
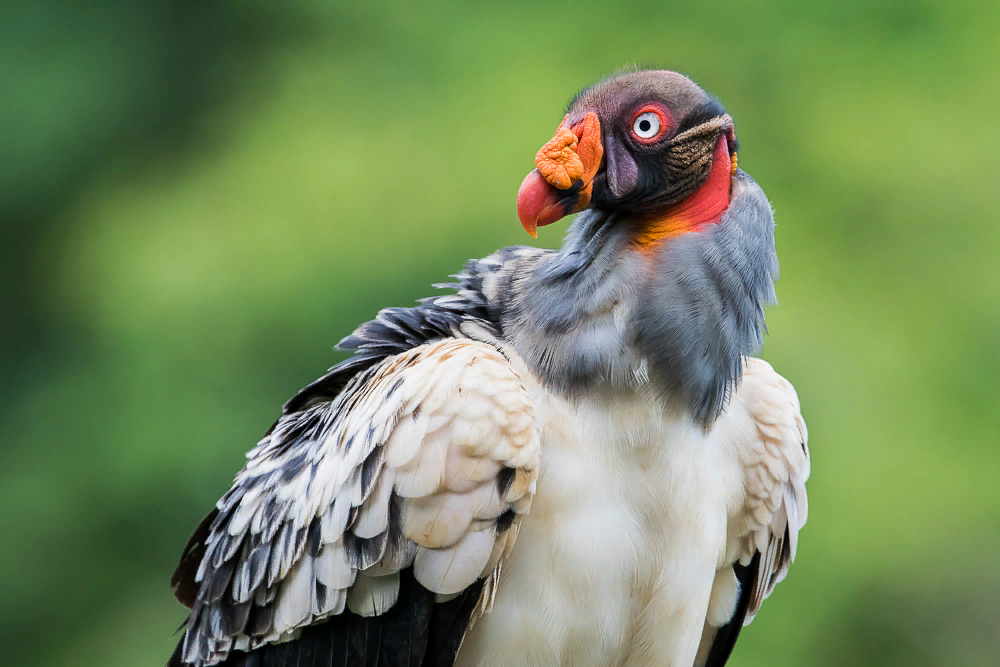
x=198 y=199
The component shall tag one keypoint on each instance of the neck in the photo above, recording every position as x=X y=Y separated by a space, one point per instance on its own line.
x=598 y=316
x=704 y=207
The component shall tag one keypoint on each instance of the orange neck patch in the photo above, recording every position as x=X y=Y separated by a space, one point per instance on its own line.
x=704 y=207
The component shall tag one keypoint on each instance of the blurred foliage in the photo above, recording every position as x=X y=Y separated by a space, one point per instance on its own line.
x=198 y=199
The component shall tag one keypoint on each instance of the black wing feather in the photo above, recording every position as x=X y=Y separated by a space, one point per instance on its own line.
x=183 y=583
x=399 y=637
x=725 y=638
x=448 y=626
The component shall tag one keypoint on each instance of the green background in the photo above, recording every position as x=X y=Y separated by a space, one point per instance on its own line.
x=199 y=199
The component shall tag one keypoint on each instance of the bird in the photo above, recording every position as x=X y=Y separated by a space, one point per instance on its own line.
x=572 y=457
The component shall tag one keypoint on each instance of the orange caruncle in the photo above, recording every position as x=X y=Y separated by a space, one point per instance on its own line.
x=558 y=161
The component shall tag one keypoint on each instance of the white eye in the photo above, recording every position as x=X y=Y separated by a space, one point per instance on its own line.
x=646 y=125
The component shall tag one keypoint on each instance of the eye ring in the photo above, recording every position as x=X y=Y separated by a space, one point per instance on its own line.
x=649 y=124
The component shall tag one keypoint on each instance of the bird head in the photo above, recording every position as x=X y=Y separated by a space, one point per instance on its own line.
x=650 y=144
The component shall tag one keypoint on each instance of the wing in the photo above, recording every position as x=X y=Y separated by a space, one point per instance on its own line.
x=766 y=434
x=384 y=512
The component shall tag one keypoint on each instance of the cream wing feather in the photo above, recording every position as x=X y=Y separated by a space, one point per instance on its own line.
x=766 y=435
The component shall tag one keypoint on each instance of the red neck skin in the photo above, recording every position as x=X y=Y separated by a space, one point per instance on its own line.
x=704 y=207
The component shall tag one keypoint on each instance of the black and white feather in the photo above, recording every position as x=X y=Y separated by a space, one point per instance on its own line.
x=425 y=460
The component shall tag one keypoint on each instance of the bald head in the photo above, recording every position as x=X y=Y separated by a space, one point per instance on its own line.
x=660 y=132
x=611 y=96
x=637 y=143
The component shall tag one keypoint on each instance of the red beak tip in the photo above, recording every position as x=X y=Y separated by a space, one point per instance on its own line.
x=537 y=203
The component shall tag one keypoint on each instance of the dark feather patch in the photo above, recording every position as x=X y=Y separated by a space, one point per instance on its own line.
x=257 y=563
x=300 y=542
x=183 y=584
x=225 y=548
x=363 y=553
x=504 y=521
x=726 y=636
x=448 y=626
x=217 y=581
x=234 y=617
x=392 y=389
x=315 y=537
x=703 y=112
x=415 y=632
x=504 y=479
x=272 y=517
x=397 y=330
x=784 y=556
x=260 y=621
x=321 y=592
x=370 y=468
x=397 y=545
x=293 y=466
x=275 y=658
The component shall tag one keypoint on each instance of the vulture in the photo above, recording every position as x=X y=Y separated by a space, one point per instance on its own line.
x=570 y=458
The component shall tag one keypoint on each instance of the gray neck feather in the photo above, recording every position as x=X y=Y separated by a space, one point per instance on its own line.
x=593 y=317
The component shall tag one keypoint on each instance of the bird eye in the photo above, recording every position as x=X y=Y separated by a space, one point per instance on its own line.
x=646 y=125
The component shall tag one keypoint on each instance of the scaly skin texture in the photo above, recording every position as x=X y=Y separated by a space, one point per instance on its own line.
x=558 y=161
x=572 y=158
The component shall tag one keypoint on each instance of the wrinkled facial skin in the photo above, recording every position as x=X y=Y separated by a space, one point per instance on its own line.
x=645 y=177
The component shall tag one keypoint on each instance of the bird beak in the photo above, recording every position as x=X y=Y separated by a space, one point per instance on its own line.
x=563 y=179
